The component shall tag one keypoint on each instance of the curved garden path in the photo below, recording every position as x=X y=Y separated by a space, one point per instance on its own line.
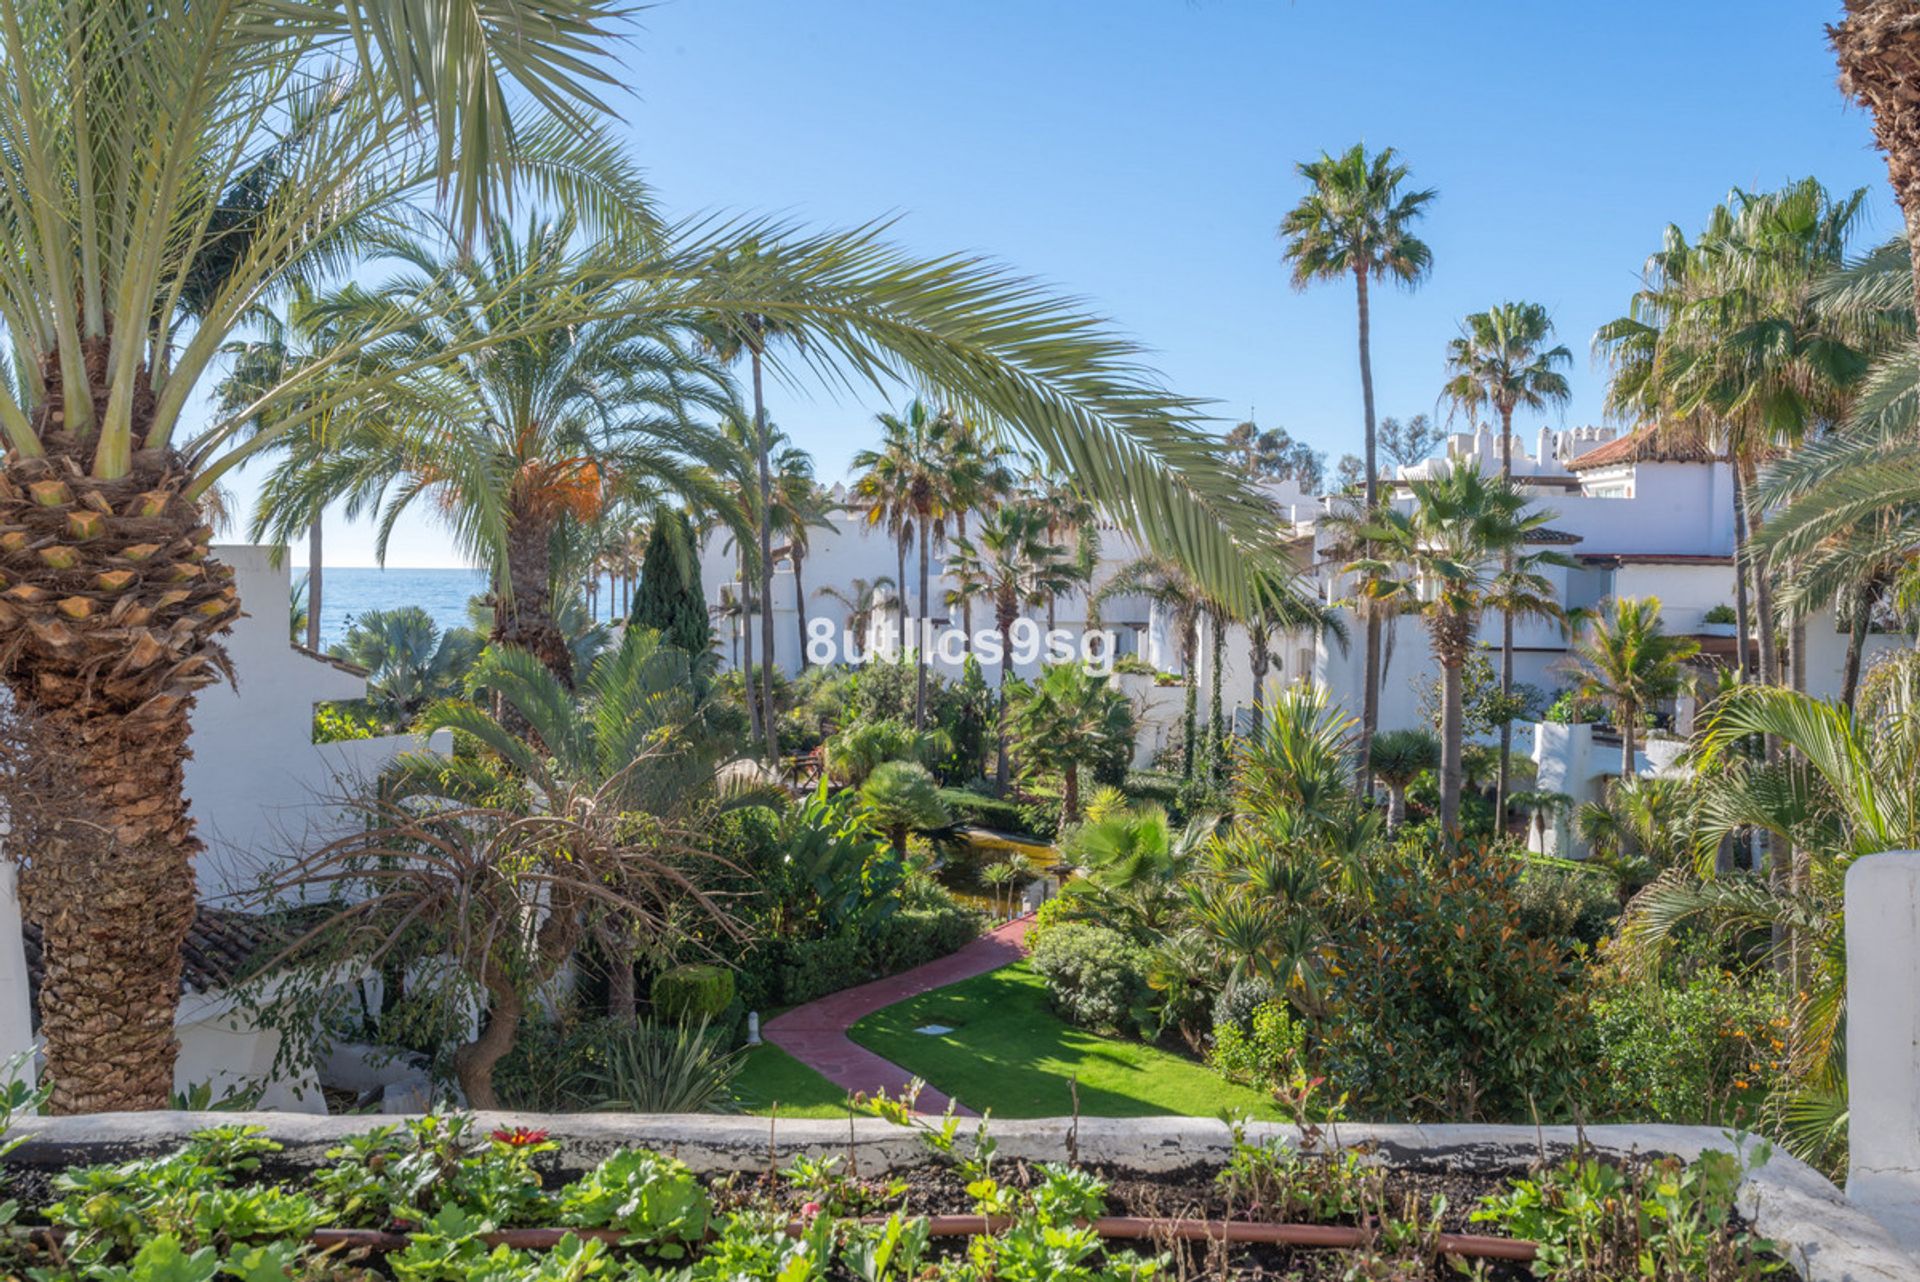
x=816 y=1033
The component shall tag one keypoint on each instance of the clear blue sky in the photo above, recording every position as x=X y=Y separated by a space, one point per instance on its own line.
x=1138 y=154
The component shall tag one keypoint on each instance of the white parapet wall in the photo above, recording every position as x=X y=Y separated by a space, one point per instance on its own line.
x=1883 y=1040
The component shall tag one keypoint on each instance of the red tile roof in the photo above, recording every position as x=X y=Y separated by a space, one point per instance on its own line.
x=1649 y=444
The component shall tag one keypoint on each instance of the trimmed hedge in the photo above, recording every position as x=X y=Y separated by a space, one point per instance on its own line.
x=693 y=992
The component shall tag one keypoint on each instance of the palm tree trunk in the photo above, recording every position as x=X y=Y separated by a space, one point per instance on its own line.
x=1396 y=806
x=900 y=582
x=1005 y=623
x=920 y=630
x=1217 y=623
x=524 y=618
x=1506 y=643
x=1856 y=646
x=1259 y=659
x=1452 y=715
x=1741 y=613
x=743 y=647
x=1370 y=693
x=1190 y=729
x=799 y=604
x=769 y=721
x=1070 y=794
x=966 y=600
x=1627 y=716
x=315 y=571
x=107 y=707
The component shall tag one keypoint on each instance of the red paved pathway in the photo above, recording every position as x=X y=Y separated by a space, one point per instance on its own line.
x=816 y=1033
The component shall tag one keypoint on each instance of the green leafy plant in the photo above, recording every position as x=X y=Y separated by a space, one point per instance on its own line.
x=654 y=1200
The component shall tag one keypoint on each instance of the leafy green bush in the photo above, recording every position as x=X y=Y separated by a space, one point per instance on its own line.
x=695 y=993
x=1439 y=1008
x=338 y=720
x=1096 y=976
x=969 y=807
x=1566 y=903
x=1704 y=1051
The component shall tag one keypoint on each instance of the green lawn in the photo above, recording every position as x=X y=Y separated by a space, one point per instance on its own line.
x=1010 y=1053
x=771 y=1076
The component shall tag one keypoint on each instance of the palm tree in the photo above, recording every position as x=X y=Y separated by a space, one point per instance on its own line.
x=1013 y=565
x=800 y=506
x=900 y=796
x=1879 y=62
x=410 y=662
x=860 y=602
x=1066 y=720
x=119 y=308
x=977 y=478
x=1627 y=660
x=729 y=335
x=1072 y=521
x=905 y=488
x=1501 y=362
x=1168 y=586
x=1458 y=551
x=1356 y=220
x=1399 y=757
x=1279 y=605
x=517 y=437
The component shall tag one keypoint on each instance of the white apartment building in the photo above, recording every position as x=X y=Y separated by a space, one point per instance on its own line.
x=1645 y=513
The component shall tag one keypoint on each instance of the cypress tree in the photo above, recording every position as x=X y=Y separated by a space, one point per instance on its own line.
x=669 y=599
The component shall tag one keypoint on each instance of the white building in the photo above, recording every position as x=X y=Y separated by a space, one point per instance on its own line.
x=1648 y=513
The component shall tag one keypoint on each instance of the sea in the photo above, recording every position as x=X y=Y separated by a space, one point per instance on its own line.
x=349 y=592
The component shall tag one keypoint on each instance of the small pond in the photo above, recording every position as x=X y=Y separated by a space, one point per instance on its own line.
x=966 y=854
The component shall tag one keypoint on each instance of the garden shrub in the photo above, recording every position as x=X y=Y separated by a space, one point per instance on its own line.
x=980 y=810
x=1266 y=1050
x=1440 y=1008
x=337 y=720
x=1239 y=1000
x=1566 y=903
x=1703 y=1051
x=1096 y=976
x=693 y=993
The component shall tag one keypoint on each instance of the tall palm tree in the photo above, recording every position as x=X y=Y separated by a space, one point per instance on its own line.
x=116 y=320
x=1072 y=522
x=1184 y=602
x=801 y=505
x=1461 y=548
x=1013 y=565
x=1626 y=660
x=1501 y=362
x=731 y=335
x=860 y=601
x=1357 y=220
x=514 y=436
x=906 y=489
x=977 y=478
x=1280 y=604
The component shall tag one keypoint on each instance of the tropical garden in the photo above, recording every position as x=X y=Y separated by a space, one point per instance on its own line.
x=398 y=254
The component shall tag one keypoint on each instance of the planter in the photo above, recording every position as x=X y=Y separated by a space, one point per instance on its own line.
x=1825 y=1237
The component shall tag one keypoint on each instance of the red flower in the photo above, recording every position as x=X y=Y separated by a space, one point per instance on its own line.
x=811 y=1209
x=519 y=1137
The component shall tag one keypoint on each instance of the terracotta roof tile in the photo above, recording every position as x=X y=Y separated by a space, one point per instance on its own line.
x=1649 y=444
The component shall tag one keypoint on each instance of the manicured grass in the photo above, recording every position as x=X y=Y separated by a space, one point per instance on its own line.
x=771 y=1076
x=1010 y=1053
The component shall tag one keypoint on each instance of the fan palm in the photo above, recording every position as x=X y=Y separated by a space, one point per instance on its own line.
x=1501 y=362
x=1066 y=720
x=1461 y=549
x=1013 y=565
x=900 y=796
x=1626 y=660
x=860 y=601
x=410 y=662
x=1357 y=220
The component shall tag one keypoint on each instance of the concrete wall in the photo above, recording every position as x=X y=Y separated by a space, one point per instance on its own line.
x=258 y=784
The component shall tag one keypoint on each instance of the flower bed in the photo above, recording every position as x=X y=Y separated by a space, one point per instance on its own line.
x=452 y=1199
